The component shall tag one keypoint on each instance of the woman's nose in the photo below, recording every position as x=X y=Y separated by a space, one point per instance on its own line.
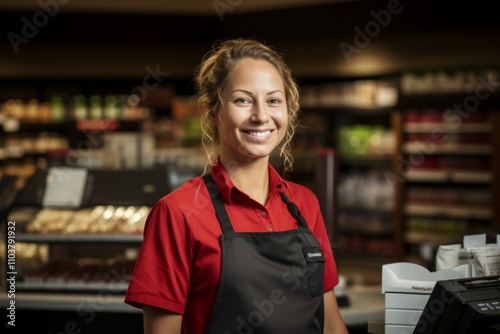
x=260 y=113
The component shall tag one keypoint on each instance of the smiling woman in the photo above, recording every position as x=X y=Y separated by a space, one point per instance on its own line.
x=224 y=63
x=240 y=222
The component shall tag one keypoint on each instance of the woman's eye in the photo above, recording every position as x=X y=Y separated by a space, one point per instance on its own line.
x=274 y=101
x=241 y=100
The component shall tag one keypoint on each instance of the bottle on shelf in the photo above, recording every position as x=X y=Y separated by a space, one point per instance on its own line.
x=111 y=107
x=96 y=111
x=80 y=110
x=57 y=108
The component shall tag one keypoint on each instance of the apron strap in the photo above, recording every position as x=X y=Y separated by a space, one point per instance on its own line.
x=214 y=193
x=294 y=210
x=223 y=217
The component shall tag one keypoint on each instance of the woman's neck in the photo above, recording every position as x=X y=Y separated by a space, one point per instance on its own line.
x=251 y=178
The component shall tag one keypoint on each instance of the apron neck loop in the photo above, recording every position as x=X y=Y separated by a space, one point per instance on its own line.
x=223 y=217
x=294 y=210
x=215 y=196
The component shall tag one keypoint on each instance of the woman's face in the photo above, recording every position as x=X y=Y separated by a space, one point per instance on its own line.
x=253 y=115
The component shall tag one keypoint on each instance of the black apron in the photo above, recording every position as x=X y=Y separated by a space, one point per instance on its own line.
x=271 y=282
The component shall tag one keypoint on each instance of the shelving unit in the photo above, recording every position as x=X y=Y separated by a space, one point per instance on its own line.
x=446 y=172
x=442 y=156
x=360 y=204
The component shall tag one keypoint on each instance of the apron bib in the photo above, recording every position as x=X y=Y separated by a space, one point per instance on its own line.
x=271 y=282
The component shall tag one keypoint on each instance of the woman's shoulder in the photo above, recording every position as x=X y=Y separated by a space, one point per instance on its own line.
x=299 y=191
x=186 y=191
x=184 y=204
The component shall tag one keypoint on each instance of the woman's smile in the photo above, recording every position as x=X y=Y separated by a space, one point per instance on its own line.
x=260 y=135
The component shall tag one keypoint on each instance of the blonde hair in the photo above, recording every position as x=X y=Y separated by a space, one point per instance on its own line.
x=210 y=80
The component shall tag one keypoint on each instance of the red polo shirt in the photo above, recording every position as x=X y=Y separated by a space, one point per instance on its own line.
x=179 y=264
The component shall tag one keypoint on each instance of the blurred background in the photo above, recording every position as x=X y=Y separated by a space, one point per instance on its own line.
x=399 y=132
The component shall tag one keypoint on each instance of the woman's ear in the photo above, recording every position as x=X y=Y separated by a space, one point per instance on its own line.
x=214 y=119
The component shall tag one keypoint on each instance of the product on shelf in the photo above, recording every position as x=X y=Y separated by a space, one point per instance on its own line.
x=97 y=220
x=365 y=190
x=445 y=81
x=440 y=228
x=450 y=196
x=60 y=107
x=355 y=94
x=87 y=274
x=365 y=140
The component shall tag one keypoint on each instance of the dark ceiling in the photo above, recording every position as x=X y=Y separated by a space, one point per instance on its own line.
x=313 y=22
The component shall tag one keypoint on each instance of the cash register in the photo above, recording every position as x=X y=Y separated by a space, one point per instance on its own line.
x=462 y=306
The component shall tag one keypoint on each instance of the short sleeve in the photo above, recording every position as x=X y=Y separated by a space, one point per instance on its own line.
x=162 y=270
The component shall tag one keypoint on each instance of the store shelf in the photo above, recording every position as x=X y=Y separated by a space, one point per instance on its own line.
x=61 y=302
x=431 y=238
x=55 y=286
x=376 y=208
x=366 y=160
x=444 y=176
x=15 y=126
x=107 y=125
x=445 y=161
x=369 y=232
x=460 y=212
x=443 y=100
x=459 y=149
x=349 y=109
x=79 y=238
x=447 y=128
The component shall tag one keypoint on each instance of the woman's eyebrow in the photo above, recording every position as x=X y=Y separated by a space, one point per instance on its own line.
x=242 y=90
x=275 y=91
x=250 y=93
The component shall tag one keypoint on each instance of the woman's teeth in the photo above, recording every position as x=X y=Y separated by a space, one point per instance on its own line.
x=260 y=134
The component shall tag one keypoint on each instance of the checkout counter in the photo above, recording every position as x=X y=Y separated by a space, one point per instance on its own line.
x=105 y=312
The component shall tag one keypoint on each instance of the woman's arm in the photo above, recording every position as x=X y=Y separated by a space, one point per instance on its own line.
x=158 y=321
x=333 y=320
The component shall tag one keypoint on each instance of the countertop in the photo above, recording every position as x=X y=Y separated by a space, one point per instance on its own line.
x=365 y=303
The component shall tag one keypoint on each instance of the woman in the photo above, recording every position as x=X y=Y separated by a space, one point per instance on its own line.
x=239 y=250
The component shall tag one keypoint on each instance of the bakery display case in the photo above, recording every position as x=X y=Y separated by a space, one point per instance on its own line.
x=79 y=230
x=76 y=233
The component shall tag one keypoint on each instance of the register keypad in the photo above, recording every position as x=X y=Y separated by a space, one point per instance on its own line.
x=489 y=306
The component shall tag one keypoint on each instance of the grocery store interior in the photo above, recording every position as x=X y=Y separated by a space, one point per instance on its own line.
x=399 y=138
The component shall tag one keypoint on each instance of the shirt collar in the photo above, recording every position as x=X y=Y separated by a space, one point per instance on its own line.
x=227 y=189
